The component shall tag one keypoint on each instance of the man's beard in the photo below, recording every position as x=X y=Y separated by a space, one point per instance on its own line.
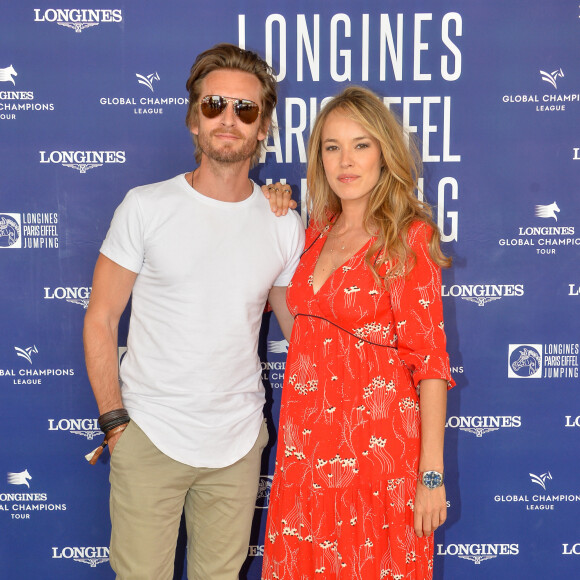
x=226 y=154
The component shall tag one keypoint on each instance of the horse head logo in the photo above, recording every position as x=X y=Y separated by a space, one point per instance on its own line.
x=26 y=353
x=547 y=211
x=280 y=346
x=528 y=362
x=148 y=80
x=19 y=478
x=541 y=479
x=551 y=77
x=7 y=73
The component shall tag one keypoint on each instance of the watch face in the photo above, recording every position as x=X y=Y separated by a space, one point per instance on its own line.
x=432 y=479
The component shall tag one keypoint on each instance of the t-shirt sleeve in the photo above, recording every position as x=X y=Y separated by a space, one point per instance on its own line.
x=293 y=249
x=418 y=310
x=125 y=240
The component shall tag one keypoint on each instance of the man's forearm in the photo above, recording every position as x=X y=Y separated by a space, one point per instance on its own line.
x=102 y=363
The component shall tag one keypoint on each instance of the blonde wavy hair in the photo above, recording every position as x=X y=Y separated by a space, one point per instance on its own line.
x=392 y=206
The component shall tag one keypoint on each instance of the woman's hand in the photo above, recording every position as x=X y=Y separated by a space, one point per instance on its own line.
x=430 y=509
x=280 y=197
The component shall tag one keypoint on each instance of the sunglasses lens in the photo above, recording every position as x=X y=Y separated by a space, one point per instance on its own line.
x=213 y=106
x=247 y=111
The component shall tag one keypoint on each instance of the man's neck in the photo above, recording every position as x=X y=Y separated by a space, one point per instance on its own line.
x=222 y=181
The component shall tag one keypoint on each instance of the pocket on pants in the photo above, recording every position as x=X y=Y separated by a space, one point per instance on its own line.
x=263 y=436
x=125 y=435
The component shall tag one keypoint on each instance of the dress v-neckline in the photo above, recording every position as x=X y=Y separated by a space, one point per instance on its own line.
x=324 y=237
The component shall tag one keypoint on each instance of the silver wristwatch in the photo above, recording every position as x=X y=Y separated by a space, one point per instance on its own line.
x=431 y=479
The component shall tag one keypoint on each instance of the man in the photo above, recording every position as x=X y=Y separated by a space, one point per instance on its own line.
x=200 y=254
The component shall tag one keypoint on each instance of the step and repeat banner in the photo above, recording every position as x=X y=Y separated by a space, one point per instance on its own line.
x=92 y=103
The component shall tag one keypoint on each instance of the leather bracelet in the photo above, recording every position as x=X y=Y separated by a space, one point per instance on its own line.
x=111 y=419
x=96 y=453
x=118 y=429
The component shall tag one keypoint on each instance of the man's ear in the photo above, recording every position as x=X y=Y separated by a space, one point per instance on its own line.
x=193 y=125
x=263 y=132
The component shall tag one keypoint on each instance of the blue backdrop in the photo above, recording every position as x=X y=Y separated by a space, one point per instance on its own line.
x=92 y=103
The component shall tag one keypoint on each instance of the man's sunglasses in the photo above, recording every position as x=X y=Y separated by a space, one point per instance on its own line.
x=213 y=105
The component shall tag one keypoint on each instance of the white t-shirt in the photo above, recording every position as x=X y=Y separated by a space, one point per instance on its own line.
x=191 y=378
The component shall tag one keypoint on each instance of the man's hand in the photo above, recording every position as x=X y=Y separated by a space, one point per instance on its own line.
x=280 y=197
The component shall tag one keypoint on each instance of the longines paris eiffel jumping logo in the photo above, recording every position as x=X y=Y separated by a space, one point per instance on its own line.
x=37 y=231
x=543 y=361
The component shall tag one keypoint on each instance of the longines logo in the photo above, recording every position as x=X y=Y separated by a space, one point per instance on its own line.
x=29 y=230
x=572 y=421
x=74 y=294
x=12 y=102
x=88 y=428
x=545 y=239
x=478 y=553
x=548 y=102
x=78 y=19
x=573 y=550
x=547 y=361
x=259 y=550
x=481 y=425
x=145 y=105
x=539 y=501
x=264 y=488
x=481 y=294
x=31 y=376
x=573 y=289
x=21 y=504
x=91 y=555
x=82 y=161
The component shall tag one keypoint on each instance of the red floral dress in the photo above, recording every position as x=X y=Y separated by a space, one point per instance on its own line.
x=341 y=504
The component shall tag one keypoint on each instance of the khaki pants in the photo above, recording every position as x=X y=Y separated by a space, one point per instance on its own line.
x=149 y=491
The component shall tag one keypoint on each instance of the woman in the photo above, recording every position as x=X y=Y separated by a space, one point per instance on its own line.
x=354 y=436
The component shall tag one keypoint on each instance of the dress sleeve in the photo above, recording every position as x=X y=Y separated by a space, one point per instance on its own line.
x=418 y=312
